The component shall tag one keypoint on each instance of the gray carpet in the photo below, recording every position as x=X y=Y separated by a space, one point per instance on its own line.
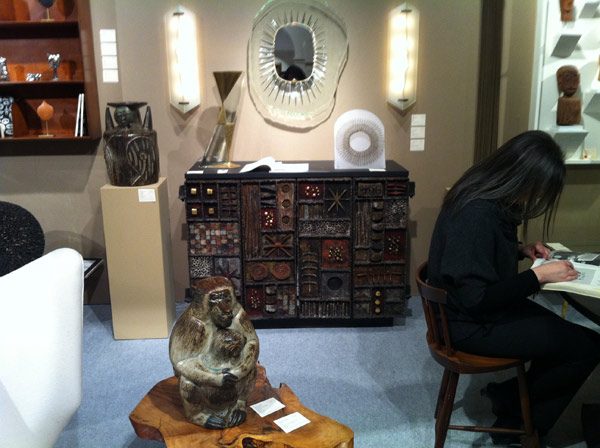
x=381 y=382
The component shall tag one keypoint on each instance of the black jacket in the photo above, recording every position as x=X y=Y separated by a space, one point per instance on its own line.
x=474 y=256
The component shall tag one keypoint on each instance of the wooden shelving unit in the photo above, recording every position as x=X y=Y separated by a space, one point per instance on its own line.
x=26 y=38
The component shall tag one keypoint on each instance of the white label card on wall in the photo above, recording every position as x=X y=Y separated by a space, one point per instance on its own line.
x=417 y=132
x=146 y=195
x=417 y=144
x=108 y=35
x=110 y=76
x=291 y=422
x=418 y=120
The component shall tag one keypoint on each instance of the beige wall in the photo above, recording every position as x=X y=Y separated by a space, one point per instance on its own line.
x=63 y=191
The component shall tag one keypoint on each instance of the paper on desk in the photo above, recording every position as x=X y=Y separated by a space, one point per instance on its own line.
x=291 y=422
x=275 y=166
x=558 y=246
x=267 y=406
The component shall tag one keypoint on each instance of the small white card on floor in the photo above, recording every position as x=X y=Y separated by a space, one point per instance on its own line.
x=291 y=422
x=267 y=406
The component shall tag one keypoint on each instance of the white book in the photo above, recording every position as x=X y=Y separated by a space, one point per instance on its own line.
x=77 y=115
x=81 y=115
x=586 y=263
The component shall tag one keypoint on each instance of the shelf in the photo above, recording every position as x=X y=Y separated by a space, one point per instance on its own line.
x=589 y=10
x=593 y=107
x=41 y=89
x=33 y=138
x=38 y=30
x=575 y=131
x=25 y=39
x=582 y=162
x=565 y=45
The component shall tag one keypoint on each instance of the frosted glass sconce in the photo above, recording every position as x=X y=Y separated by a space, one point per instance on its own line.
x=182 y=59
x=403 y=46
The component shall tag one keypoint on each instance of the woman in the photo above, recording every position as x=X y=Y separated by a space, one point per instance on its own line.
x=474 y=255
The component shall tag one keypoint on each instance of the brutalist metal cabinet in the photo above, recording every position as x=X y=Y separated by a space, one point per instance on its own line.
x=319 y=247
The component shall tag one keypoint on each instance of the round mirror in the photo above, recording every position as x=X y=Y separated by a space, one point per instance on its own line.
x=296 y=56
x=294 y=52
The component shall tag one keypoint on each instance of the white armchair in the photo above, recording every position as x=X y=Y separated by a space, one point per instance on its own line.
x=41 y=323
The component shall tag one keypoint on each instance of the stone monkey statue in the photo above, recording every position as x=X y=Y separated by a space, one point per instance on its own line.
x=569 y=105
x=213 y=348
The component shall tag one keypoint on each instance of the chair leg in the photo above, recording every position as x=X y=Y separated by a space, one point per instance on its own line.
x=442 y=392
x=530 y=438
x=443 y=419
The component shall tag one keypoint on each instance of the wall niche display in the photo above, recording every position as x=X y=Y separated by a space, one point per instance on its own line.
x=46 y=54
x=566 y=101
x=296 y=55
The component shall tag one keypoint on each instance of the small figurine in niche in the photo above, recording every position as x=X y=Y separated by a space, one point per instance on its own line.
x=54 y=62
x=567 y=11
x=213 y=348
x=30 y=77
x=569 y=106
x=3 y=69
x=45 y=111
x=47 y=4
x=6 y=119
x=130 y=148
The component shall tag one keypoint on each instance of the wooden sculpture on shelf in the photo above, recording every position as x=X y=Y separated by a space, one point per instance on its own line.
x=567 y=10
x=45 y=111
x=213 y=348
x=569 y=104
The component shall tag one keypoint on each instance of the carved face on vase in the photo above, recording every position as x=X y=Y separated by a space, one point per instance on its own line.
x=567 y=78
x=566 y=10
x=124 y=117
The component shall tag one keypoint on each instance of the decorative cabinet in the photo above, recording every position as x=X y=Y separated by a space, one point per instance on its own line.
x=26 y=39
x=302 y=248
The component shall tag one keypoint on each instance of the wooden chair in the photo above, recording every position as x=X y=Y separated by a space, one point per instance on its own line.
x=456 y=363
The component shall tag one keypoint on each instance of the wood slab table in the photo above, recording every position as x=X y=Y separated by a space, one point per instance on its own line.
x=159 y=416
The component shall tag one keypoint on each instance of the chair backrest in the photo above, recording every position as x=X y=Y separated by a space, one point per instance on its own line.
x=434 y=302
x=41 y=324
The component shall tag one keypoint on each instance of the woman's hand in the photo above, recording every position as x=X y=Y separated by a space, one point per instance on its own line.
x=535 y=250
x=556 y=271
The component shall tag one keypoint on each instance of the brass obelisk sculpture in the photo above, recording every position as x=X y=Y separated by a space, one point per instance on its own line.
x=219 y=148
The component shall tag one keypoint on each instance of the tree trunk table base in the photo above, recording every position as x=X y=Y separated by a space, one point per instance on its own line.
x=159 y=416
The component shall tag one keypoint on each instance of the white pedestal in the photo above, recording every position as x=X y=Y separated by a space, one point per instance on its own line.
x=138 y=251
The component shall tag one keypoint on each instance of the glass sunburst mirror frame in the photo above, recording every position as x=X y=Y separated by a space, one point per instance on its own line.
x=296 y=103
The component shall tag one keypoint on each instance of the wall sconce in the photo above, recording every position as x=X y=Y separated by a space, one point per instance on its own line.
x=182 y=59
x=403 y=46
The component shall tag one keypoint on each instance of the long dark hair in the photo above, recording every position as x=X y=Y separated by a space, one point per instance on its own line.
x=525 y=176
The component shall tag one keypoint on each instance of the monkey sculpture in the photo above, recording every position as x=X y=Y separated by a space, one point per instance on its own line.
x=213 y=348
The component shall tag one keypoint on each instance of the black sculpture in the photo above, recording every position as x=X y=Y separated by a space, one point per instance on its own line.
x=21 y=237
x=130 y=148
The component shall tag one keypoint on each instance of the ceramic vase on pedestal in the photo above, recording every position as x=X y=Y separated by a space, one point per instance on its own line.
x=130 y=146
